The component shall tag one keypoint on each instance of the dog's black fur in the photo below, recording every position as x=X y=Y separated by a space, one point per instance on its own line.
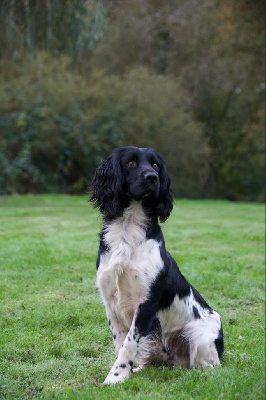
x=115 y=184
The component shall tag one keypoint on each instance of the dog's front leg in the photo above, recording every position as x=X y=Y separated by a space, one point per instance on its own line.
x=122 y=367
x=118 y=330
x=136 y=342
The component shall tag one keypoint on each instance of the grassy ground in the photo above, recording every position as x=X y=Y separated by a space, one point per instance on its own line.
x=54 y=336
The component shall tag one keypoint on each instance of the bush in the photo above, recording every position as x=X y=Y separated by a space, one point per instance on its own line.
x=53 y=127
x=57 y=125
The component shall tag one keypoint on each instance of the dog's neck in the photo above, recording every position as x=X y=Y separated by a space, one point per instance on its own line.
x=136 y=224
x=134 y=214
x=130 y=228
x=138 y=212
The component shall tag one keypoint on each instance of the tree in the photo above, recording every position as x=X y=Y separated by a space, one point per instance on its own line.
x=71 y=27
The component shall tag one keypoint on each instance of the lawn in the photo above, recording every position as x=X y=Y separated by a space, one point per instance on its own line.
x=54 y=337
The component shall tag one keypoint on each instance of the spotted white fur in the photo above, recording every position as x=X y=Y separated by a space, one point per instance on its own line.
x=124 y=277
x=199 y=333
x=155 y=315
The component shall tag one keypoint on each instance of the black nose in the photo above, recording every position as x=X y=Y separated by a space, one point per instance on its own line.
x=151 y=177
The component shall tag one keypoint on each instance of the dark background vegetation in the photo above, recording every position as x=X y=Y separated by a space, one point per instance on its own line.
x=79 y=78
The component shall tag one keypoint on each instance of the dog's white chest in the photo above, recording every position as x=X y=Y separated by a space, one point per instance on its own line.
x=128 y=268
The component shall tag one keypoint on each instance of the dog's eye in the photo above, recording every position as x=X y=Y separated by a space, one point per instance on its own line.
x=155 y=166
x=131 y=164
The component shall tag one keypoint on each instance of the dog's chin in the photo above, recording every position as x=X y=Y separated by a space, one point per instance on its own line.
x=150 y=194
x=147 y=194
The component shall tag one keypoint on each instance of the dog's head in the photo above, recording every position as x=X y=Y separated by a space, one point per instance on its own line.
x=132 y=173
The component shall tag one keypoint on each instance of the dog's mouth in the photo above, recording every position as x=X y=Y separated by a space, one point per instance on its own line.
x=148 y=194
x=144 y=191
x=152 y=190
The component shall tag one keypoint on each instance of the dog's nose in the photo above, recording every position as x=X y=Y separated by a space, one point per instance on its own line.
x=151 y=177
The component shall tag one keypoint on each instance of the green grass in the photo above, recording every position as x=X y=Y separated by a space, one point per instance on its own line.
x=54 y=336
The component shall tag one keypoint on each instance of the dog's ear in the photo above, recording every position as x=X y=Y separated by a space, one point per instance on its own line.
x=166 y=199
x=106 y=187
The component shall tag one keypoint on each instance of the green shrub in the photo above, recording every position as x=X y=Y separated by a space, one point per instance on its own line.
x=52 y=127
x=57 y=125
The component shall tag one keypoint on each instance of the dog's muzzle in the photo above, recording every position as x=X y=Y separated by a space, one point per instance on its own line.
x=151 y=177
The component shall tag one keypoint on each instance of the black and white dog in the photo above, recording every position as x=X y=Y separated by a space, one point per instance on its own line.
x=156 y=316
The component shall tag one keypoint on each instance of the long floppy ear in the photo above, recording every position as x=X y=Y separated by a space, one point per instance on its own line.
x=106 y=187
x=166 y=199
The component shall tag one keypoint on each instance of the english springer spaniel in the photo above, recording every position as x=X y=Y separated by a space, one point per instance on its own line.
x=155 y=315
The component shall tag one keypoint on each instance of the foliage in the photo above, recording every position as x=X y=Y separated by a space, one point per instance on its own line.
x=56 y=125
x=185 y=77
x=55 y=341
x=51 y=129
x=70 y=27
x=217 y=50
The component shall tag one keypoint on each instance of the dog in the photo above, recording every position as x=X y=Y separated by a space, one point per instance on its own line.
x=155 y=315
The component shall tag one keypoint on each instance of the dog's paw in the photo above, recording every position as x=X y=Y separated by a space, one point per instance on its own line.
x=112 y=379
x=119 y=373
x=116 y=377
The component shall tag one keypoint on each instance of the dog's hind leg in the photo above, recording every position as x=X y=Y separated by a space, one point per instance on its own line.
x=205 y=341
